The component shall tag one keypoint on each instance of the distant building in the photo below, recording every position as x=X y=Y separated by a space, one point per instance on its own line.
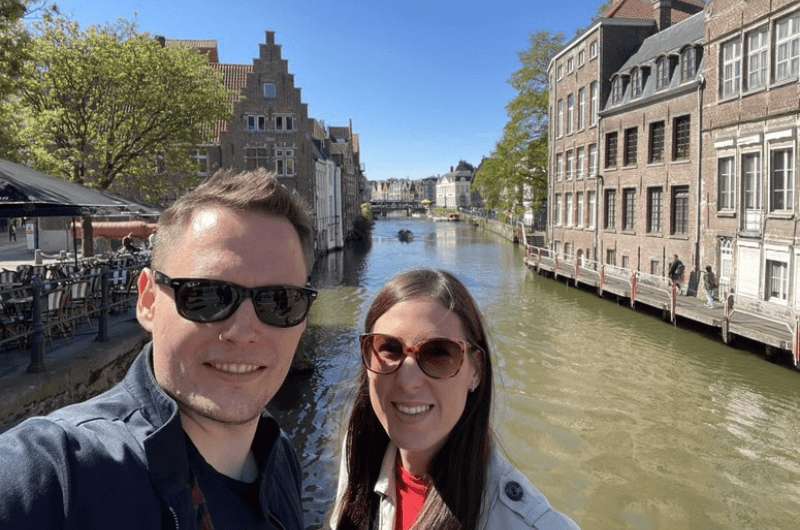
x=453 y=188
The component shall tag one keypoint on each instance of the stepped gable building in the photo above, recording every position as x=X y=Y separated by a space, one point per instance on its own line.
x=650 y=156
x=580 y=78
x=751 y=115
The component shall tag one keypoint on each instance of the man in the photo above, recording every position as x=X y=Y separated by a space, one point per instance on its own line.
x=183 y=441
x=676 y=269
x=712 y=286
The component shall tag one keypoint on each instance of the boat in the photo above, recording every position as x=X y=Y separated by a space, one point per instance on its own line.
x=406 y=236
x=454 y=217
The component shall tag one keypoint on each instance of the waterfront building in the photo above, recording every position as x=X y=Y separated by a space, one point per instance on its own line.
x=581 y=80
x=750 y=152
x=453 y=188
x=428 y=189
x=328 y=193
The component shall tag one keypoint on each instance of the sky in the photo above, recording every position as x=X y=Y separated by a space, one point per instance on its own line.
x=424 y=81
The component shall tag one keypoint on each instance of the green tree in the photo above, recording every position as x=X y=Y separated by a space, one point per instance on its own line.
x=516 y=171
x=111 y=108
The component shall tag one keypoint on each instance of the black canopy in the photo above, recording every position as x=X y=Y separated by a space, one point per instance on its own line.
x=25 y=192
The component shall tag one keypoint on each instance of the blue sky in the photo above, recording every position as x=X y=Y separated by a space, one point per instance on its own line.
x=424 y=81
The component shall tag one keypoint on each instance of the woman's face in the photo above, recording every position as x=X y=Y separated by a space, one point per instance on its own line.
x=417 y=411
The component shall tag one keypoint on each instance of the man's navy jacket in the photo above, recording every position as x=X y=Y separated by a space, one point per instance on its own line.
x=119 y=461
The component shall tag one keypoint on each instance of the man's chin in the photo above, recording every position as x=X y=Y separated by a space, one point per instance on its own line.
x=226 y=414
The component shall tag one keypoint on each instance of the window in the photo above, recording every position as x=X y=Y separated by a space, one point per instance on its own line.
x=570 y=113
x=593 y=160
x=591 y=201
x=560 y=71
x=681 y=127
x=631 y=140
x=610 y=210
x=617 y=90
x=581 y=58
x=570 y=164
x=636 y=83
x=777 y=281
x=662 y=73
x=284 y=122
x=200 y=157
x=655 y=267
x=581 y=212
x=611 y=256
x=680 y=210
x=654 y=210
x=593 y=49
x=781 y=181
x=568 y=208
x=560 y=166
x=611 y=149
x=628 y=209
x=757 y=57
x=581 y=162
x=557 y=212
x=284 y=162
x=594 y=109
x=255 y=123
x=270 y=92
x=560 y=122
x=726 y=177
x=731 y=68
x=655 y=152
x=570 y=65
x=787 y=47
x=688 y=64
x=581 y=108
x=255 y=157
x=751 y=181
x=626 y=262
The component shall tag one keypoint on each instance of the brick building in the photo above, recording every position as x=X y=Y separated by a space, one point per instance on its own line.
x=751 y=115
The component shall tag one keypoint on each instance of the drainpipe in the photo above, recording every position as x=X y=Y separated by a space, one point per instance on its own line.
x=699 y=215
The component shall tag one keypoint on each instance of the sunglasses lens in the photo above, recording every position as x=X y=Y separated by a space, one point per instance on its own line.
x=440 y=358
x=282 y=306
x=382 y=353
x=205 y=300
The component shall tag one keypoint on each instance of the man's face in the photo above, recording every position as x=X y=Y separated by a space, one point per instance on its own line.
x=229 y=370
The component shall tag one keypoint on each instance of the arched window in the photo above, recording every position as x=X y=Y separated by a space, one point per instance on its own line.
x=688 y=63
x=636 y=82
x=662 y=73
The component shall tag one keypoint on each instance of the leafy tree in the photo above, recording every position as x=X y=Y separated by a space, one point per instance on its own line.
x=516 y=171
x=111 y=108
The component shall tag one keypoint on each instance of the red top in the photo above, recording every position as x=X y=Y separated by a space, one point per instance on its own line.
x=411 y=494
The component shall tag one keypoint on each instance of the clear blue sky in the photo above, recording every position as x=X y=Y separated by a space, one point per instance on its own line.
x=424 y=81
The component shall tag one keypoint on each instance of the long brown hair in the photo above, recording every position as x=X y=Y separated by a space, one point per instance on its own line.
x=458 y=471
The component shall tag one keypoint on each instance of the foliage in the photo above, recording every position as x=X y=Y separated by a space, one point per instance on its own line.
x=366 y=212
x=516 y=171
x=109 y=107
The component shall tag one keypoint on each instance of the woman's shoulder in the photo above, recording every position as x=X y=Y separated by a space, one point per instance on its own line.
x=514 y=502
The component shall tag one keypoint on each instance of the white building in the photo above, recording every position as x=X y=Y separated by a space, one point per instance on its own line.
x=327 y=196
x=453 y=189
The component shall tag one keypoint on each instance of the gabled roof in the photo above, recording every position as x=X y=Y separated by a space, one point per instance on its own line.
x=670 y=40
x=234 y=77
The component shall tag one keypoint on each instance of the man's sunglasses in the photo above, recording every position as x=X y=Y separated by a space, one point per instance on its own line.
x=203 y=300
x=439 y=358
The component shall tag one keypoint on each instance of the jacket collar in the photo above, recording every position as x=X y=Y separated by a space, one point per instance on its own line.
x=385 y=485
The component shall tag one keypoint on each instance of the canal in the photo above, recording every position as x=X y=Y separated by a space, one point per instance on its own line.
x=622 y=420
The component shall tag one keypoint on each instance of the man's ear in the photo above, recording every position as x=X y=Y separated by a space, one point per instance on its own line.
x=145 y=304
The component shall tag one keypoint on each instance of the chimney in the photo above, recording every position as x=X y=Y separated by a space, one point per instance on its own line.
x=270 y=37
x=662 y=13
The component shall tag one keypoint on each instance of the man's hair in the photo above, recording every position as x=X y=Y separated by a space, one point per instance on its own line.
x=256 y=191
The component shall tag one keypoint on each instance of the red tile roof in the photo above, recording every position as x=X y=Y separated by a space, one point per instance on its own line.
x=209 y=47
x=234 y=77
x=643 y=9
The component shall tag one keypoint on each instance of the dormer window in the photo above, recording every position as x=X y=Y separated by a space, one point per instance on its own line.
x=688 y=64
x=637 y=82
x=662 y=73
x=617 y=90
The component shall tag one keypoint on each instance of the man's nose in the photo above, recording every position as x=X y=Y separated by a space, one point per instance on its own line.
x=243 y=325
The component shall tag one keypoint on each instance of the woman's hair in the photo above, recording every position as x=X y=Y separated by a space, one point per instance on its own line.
x=458 y=470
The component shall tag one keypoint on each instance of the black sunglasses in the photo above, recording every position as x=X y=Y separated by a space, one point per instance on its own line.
x=204 y=300
x=439 y=358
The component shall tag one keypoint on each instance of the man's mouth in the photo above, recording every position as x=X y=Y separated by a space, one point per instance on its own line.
x=236 y=368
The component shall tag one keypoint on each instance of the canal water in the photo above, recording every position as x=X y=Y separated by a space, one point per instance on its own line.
x=622 y=420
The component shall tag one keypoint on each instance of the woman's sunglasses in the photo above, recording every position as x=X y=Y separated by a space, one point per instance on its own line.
x=438 y=358
x=202 y=300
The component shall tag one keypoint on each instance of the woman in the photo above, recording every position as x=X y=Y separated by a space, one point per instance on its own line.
x=419 y=450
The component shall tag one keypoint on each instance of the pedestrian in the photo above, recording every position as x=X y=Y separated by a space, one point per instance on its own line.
x=12 y=232
x=419 y=450
x=184 y=441
x=711 y=284
x=676 y=269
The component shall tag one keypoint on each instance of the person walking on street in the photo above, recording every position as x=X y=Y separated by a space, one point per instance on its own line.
x=12 y=232
x=712 y=286
x=676 y=269
x=184 y=441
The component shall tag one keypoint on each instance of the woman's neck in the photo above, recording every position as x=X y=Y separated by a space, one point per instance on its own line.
x=416 y=462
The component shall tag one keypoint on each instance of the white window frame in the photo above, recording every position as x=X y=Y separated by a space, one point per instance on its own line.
x=580 y=160
x=200 y=154
x=790 y=43
x=580 y=210
x=757 y=42
x=788 y=190
x=560 y=166
x=593 y=101
x=284 y=122
x=581 y=57
x=570 y=113
x=570 y=164
x=560 y=122
x=560 y=72
x=255 y=122
x=770 y=278
x=731 y=71
x=593 y=160
x=662 y=72
x=636 y=83
x=581 y=108
x=568 y=209
x=593 y=49
x=558 y=209
x=570 y=64
x=591 y=200
x=728 y=177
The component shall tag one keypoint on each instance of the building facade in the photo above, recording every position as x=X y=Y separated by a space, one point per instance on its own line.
x=453 y=189
x=751 y=118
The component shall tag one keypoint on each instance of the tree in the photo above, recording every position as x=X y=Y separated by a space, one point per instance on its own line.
x=114 y=109
x=516 y=171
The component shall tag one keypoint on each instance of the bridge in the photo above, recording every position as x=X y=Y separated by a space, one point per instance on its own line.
x=382 y=208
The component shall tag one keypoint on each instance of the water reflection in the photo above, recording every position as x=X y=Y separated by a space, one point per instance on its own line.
x=623 y=420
